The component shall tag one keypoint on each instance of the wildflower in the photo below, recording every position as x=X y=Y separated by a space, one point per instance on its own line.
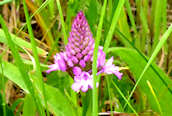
x=78 y=57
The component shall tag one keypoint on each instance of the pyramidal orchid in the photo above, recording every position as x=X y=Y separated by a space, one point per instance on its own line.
x=77 y=57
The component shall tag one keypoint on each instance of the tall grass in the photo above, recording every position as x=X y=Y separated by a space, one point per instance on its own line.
x=35 y=54
x=113 y=25
x=154 y=54
x=62 y=21
x=20 y=65
x=95 y=55
x=116 y=28
x=155 y=97
x=3 y=86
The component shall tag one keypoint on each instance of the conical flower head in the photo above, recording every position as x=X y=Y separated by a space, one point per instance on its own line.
x=81 y=43
x=78 y=56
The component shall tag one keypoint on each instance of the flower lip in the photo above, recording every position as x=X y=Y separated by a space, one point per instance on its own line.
x=82 y=82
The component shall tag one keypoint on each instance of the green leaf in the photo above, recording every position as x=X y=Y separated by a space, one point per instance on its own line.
x=5 y=2
x=123 y=24
x=12 y=73
x=136 y=64
x=35 y=55
x=19 y=63
x=113 y=25
x=92 y=15
x=157 y=22
x=29 y=108
x=95 y=56
x=57 y=102
x=62 y=21
x=20 y=42
x=129 y=44
x=8 y=110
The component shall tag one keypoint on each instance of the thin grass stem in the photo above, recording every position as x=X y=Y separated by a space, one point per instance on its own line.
x=5 y=2
x=127 y=42
x=20 y=65
x=3 y=88
x=35 y=54
x=95 y=54
x=110 y=98
x=36 y=12
x=113 y=25
x=124 y=98
x=129 y=11
x=155 y=97
x=62 y=21
x=154 y=54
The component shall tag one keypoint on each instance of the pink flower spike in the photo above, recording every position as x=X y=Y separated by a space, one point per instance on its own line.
x=77 y=57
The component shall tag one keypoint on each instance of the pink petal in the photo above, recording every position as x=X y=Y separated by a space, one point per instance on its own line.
x=77 y=71
x=118 y=74
x=52 y=67
x=76 y=86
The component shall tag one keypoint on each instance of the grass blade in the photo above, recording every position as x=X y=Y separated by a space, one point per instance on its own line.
x=5 y=2
x=20 y=42
x=62 y=21
x=157 y=22
x=164 y=16
x=41 y=22
x=158 y=47
x=155 y=97
x=35 y=54
x=3 y=87
x=145 y=30
x=27 y=110
x=36 y=12
x=124 y=98
x=20 y=65
x=129 y=11
x=113 y=25
x=94 y=65
x=136 y=64
x=129 y=44
x=51 y=9
x=110 y=97
x=43 y=5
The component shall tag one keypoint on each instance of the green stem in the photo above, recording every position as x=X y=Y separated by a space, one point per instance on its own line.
x=155 y=97
x=94 y=65
x=124 y=98
x=3 y=89
x=52 y=50
x=157 y=49
x=20 y=64
x=113 y=25
x=43 y=5
x=5 y=2
x=62 y=21
x=110 y=98
x=129 y=11
x=35 y=54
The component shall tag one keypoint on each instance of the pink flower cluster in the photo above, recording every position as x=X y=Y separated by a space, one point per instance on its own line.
x=78 y=56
